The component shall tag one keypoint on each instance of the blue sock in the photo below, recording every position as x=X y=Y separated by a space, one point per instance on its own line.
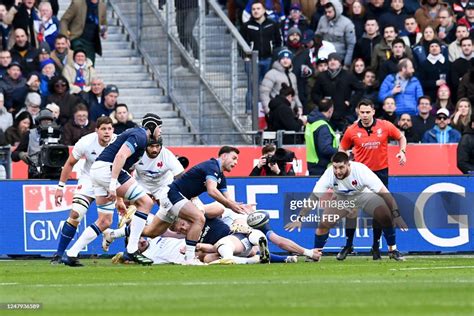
x=127 y=230
x=389 y=234
x=67 y=234
x=277 y=258
x=320 y=240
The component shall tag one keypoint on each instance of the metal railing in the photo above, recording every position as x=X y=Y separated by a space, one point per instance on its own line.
x=200 y=58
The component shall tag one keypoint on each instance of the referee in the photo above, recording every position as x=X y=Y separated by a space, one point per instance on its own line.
x=369 y=138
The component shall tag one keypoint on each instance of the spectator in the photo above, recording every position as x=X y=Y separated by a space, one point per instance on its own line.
x=273 y=9
x=357 y=16
x=468 y=19
x=421 y=51
x=22 y=17
x=280 y=73
x=294 y=20
x=429 y=12
x=5 y=60
x=77 y=126
x=366 y=44
x=322 y=48
x=458 y=7
x=405 y=126
x=44 y=52
x=23 y=53
x=466 y=86
x=396 y=16
x=93 y=97
x=282 y=117
x=85 y=23
x=358 y=68
x=187 y=13
x=47 y=25
x=266 y=166
x=32 y=105
x=107 y=106
x=54 y=108
x=376 y=8
x=5 y=28
x=338 y=29
x=455 y=49
x=48 y=71
x=462 y=65
x=441 y=133
x=382 y=51
x=10 y=82
x=371 y=86
x=6 y=118
x=389 y=66
x=122 y=119
x=462 y=115
x=61 y=54
x=403 y=86
x=443 y=100
x=447 y=27
x=59 y=94
x=388 y=111
x=308 y=7
x=435 y=70
x=411 y=34
x=318 y=14
x=465 y=151
x=342 y=87
x=15 y=133
x=79 y=76
x=20 y=93
x=321 y=140
x=321 y=65
x=263 y=35
x=424 y=120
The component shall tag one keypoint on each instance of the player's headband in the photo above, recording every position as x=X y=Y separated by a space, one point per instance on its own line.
x=153 y=141
x=151 y=121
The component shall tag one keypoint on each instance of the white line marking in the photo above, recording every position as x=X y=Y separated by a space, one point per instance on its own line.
x=434 y=268
x=14 y=283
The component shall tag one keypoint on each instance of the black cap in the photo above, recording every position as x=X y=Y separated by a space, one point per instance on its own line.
x=470 y=5
x=15 y=63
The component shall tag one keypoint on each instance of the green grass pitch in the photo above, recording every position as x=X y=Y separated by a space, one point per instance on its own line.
x=358 y=286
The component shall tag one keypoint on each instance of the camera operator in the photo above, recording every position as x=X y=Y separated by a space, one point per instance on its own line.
x=274 y=162
x=34 y=144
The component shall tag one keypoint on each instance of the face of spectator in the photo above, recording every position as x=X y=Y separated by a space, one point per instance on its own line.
x=389 y=34
x=34 y=82
x=466 y=47
x=398 y=49
x=285 y=62
x=428 y=34
x=444 y=93
x=80 y=117
x=435 y=50
x=389 y=106
x=329 y=12
x=444 y=18
x=2 y=102
x=432 y=2
x=424 y=106
x=46 y=12
x=411 y=25
x=97 y=86
x=369 y=79
x=463 y=106
x=397 y=5
x=121 y=114
x=405 y=122
x=359 y=66
x=461 y=32
x=55 y=111
x=33 y=109
x=80 y=58
x=24 y=125
x=49 y=70
x=14 y=72
x=442 y=121
x=322 y=67
x=61 y=45
x=257 y=11
x=60 y=87
x=43 y=56
x=356 y=8
x=20 y=38
x=408 y=71
x=5 y=58
x=110 y=100
x=377 y=3
x=294 y=38
x=371 y=27
x=295 y=15
x=334 y=64
x=470 y=14
x=3 y=11
x=29 y=3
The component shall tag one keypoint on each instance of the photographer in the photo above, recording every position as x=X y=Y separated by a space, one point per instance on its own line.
x=39 y=149
x=274 y=162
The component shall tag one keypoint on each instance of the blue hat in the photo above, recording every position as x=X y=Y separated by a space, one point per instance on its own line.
x=285 y=53
x=308 y=36
x=46 y=62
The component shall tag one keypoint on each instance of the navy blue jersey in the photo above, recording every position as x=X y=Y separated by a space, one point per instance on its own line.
x=193 y=182
x=134 y=138
x=213 y=230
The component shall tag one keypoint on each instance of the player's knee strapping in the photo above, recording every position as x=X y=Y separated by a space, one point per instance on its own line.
x=80 y=205
x=134 y=192
x=225 y=248
x=106 y=208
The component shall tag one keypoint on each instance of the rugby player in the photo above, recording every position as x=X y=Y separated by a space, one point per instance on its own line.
x=90 y=147
x=111 y=178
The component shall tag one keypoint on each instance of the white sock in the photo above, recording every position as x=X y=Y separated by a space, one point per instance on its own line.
x=226 y=251
x=190 y=253
x=392 y=248
x=86 y=238
x=118 y=233
x=251 y=260
x=136 y=229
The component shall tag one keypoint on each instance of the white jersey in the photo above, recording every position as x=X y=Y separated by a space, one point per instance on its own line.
x=89 y=148
x=360 y=180
x=165 y=250
x=156 y=174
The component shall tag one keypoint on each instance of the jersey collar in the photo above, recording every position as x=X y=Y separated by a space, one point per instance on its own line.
x=369 y=128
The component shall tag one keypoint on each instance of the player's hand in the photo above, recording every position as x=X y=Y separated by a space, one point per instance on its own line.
x=241 y=208
x=58 y=197
x=292 y=226
x=316 y=254
x=121 y=207
x=402 y=158
x=112 y=196
x=400 y=223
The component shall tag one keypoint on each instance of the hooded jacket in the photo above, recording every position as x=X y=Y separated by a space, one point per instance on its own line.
x=437 y=136
x=340 y=31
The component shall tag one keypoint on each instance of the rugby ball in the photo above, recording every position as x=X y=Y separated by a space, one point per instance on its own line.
x=258 y=219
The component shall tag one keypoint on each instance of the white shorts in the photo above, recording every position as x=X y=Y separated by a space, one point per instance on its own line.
x=165 y=250
x=169 y=212
x=85 y=187
x=101 y=174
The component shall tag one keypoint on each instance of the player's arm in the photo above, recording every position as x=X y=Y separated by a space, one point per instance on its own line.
x=67 y=169
x=392 y=205
x=290 y=246
x=119 y=161
x=206 y=248
x=223 y=197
